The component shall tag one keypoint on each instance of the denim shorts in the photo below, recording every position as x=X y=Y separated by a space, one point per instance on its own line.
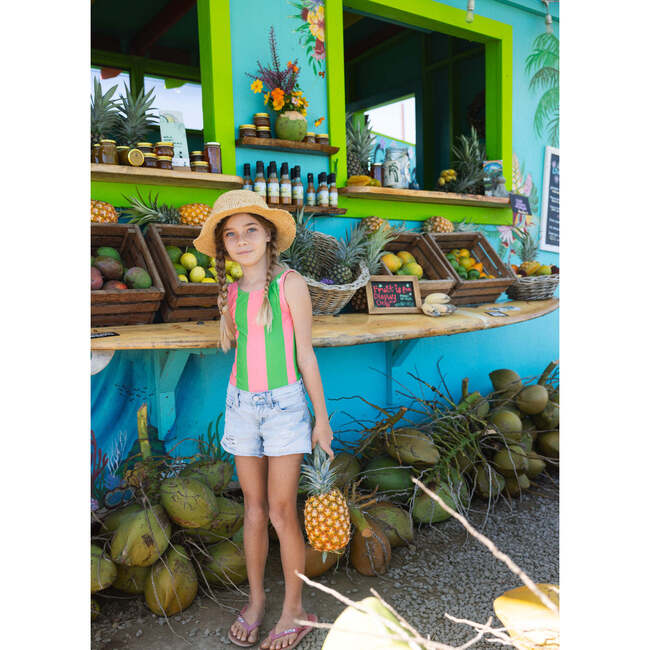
x=275 y=422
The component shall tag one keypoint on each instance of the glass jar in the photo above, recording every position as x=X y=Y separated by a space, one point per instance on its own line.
x=247 y=131
x=145 y=147
x=122 y=153
x=378 y=172
x=310 y=137
x=196 y=156
x=262 y=119
x=150 y=160
x=95 y=155
x=200 y=166
x=164 y=162
x=165 y=149
x=263 y=131
x=108 y=152
x=212 y=154
x=397 y=168
x=322 y=138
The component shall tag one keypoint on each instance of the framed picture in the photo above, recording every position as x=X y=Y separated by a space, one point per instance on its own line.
x=550 y=225
x=393 y=294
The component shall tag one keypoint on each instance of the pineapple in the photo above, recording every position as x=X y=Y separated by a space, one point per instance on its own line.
x=134 y=116
x=194 y=214
x=348 y=255
x=327 y=518
x=527 y=252
x=437 y=224
x=360 y=145
x=143 y=212
x=373 y=224
x=103 y=112
x=102 y=212
x=468 y=163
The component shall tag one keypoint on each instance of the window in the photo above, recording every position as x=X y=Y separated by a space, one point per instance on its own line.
x=178 y=95
x=395 y=120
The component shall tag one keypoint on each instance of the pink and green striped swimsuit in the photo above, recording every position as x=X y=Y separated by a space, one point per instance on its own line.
x=264 y=360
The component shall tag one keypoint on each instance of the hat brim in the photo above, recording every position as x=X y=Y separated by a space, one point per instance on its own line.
x=281 y=219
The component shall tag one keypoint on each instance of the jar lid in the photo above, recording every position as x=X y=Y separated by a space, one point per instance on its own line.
x=150 y=155
x=199 y=163
x=261 y=115
x=246 y=126
x=135 y=157
x=208 y=143
x=192 y=153
x=164 y=144
x=164 y=157
x=322 y=135
x=123 y=146
x=105 y=140
x=143 y=144
x=311 y=133
x=263 y=128
x=96 y=144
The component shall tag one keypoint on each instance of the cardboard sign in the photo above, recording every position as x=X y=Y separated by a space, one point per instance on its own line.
x=172 y=129
x=393 y=294
x=550 y=228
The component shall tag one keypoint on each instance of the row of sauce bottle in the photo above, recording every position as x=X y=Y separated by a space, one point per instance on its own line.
x=288 y=189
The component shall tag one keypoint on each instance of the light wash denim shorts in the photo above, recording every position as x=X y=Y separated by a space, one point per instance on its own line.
x=275 y=422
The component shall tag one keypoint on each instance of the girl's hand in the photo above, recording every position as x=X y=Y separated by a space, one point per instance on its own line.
x=322 y=435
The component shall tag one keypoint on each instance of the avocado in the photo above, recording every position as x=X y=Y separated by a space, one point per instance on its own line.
x=201 y=258
x=108 y=251
x=174 y=253
x=137 y=278
x=180 y=269
x=110 y=268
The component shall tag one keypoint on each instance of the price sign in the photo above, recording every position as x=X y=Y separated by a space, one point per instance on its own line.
x=393 y=294
x=550 y=236
x=520 y=207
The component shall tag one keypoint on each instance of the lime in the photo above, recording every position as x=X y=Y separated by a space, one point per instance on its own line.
x=197 y=273
x=473 y=274
x=462 y=273
x=180 y=269
x=174 y=253
x=182 y=278
x=188 y=261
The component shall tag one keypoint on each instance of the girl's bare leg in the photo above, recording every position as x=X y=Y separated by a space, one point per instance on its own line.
x=283 y=492
x=252 y=473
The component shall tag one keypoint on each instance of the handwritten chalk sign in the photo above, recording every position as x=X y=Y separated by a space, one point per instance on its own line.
x=393 y=294
x=550 y=228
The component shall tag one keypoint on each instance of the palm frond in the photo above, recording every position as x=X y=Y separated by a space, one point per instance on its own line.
x=547 y=108
x=545 y=78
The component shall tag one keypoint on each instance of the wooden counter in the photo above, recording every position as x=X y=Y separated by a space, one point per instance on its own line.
x=330 y=331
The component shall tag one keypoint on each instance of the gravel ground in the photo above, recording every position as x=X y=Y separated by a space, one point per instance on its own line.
x=445 y=571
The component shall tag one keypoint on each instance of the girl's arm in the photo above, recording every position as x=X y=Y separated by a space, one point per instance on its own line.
x=299 y=301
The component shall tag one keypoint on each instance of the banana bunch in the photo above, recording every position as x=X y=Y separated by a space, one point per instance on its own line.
x=437 y=299
x=362 y=179
x=437 y=304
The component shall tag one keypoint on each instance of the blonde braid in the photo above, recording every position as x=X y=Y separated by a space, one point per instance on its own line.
x=265 y=313
x=226 y=330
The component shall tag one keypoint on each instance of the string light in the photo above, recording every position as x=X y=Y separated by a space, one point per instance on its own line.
x=548 y=19
x=470 y=11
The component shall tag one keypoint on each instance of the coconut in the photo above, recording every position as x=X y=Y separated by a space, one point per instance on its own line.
x=411 y=447
x=506 y=382
x=387 y=475
x=227 y=566
x=395 y=522
x=229 y=521
x=94 y=609
x=508 y=423
x=511 y=461
x=238 y=537
x=474 y=403
x=548 y=444
x=536 y=464
x=314 y=564
x=532 y=399
x=131 y=579
x=526 y=442
x=102 y=569
x=189 y=502
x=515 y=485
x=141 y=538
x=216 y=473
x=489 y=482
x=549 y=418
x=172 y=583
x=370 y=550
x=353 y=629
x=347 y=468
x=115 y=518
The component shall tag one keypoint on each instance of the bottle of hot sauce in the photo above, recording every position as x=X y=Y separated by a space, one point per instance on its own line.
x=297 y=190
x=285 y=185
x=311 y=190
x=273 y=185
x=260 y=182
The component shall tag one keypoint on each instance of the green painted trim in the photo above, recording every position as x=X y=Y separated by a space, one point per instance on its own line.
x=216 y=75
x=148 y=66
x=336 y=87
x=389 y=101
x=390 y=137
x=113 y=193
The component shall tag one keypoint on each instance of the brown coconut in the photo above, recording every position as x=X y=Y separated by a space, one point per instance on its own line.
x=314 y=564
x=370 y=550
x=172 y=583
x=532 y=399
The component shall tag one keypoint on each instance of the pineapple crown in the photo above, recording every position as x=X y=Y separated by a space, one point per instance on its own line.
x=352 y=249
x=360 y=140
x=527 y=245
x=468 y=162
x=302 y=243
x=143 y=211
x=319 y=476
x=135 y=117
x=375 y=244
x=103 y=111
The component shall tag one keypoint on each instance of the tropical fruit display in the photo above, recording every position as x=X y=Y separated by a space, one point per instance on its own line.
x=108 y=271
x=402 y=263
x=529 y=266
x=437 y=224
x=102 y=212
x=467 y=267
x=193 y=266
x=360 y=144
x=144 y=211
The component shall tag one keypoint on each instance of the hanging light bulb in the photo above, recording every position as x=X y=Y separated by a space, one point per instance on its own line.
x=548 y=19
x=470 y=11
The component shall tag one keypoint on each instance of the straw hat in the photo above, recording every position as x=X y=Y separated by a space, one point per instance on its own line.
x=235 y=202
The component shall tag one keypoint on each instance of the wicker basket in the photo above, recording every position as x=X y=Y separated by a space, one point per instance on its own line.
x=540 y=287
x=331 y=298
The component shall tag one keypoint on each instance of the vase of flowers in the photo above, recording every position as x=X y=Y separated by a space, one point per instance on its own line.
x=282 y=92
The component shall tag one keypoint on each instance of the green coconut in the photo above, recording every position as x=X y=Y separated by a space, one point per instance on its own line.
x=216 y=473
x=510 y=461
x=354 y=629
x=412 y=447
x=465 y=459
x=515 y=485
x=549 y=418
x=227 y=564
x=229 y=521
x=526 y=442
x=94 y=609
x=506 y=382
x=532 y=399
x=384 y=473
x=291 y=125
x=548 y=444
x=474 y=403
x=131 y=579
x=115 y=518
x=238 y=537
x=508 y=423
x=189 y=502
x=427 y=511
x=141 y=538
x=536 y=464
x=489 y=483
x=347 y=467
x=172 y=583
x=395 y=522
x=554 y=396
x=102 y=570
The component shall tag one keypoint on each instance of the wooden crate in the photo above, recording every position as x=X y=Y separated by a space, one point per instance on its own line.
x=127 y=306
x=184 y=301
x=472 y=292
x=436 y=277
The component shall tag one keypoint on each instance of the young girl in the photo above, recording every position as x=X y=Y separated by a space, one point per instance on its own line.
x=268 y=426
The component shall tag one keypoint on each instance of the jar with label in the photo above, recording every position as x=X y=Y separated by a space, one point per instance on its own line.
x=164 y=162
x=397 y=168
x=297 y=190
x=263 y=132
x=108 y=152
x=247 y=131
x=262 y=119
x=310 y=198
x=200 y=166
x=196 y=156
x=212 y=154
x=150 y=160
x=164 y=149
x=145 y=147
x=122 y=153
x=323 y=192
x=273 y=184
x=285 y=184
x=333 y=192
x=95 y=154
x=378 y=172
x=322 y=138
x=259 y=186
x=310 y=137
x=248 y=182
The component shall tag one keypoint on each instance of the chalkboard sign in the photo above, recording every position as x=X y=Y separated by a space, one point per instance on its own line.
x=393 y=294
x=550 y=236
x=520 y=208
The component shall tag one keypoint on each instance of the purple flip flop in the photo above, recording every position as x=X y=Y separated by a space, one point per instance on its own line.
x=301 y=631
x=249 y=627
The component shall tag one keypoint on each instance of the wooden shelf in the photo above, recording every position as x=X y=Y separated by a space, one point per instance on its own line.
x=309 y=209
x=178 y=177
x=286 y=145
x=423 y=196
x=330 y=331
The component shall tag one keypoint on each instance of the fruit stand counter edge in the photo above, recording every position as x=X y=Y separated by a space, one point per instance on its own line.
x=330 y=331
